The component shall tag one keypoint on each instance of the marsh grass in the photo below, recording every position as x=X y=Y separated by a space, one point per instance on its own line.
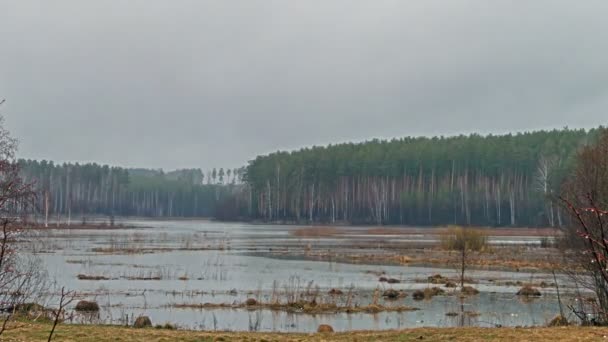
x=315 y=232
x=299 y=307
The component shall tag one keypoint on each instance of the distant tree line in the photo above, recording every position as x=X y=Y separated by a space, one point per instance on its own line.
x=494 y=180
x=76 y=190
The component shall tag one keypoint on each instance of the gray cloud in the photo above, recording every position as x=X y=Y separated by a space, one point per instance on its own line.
x=214 y=83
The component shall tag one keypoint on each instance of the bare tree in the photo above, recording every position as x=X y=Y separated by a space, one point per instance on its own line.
x=64 y=300
x=19 y=275
x=585 y=196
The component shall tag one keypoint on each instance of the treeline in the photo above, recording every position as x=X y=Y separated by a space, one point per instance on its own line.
x=504 y=180
x=76 y=190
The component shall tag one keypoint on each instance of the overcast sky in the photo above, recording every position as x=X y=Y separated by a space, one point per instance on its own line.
x=176 y=84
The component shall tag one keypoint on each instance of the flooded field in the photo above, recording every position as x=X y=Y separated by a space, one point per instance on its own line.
x=219 y=276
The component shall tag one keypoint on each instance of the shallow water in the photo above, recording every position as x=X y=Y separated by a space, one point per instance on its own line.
x=195 y=262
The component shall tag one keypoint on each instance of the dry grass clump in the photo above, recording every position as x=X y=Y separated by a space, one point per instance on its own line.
x=300 y=307
x=459 y=238
x=403 y=259
x=427 y=293
x=143 y=278
x=529 y=291
x=32 y=311
x=315 y=232
x=432 y=292
x=325 y=329
x=437 y=279
x=559 y=321
x=389 y=280
x=91 y=277
x=86 y=306
x=142 y=322
x=29 y=307
x=418 y=295
x=393 y=294
x=469 y=291
x=450 y=284
x=166 y=326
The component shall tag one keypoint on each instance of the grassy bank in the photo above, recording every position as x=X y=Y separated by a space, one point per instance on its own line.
x=92 y=333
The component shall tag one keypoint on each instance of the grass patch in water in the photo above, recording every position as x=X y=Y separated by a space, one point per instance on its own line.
x=299 y=307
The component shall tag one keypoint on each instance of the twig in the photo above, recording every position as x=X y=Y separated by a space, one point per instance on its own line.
x=66 y=298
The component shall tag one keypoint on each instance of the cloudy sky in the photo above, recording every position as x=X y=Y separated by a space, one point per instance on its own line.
x=183 y=83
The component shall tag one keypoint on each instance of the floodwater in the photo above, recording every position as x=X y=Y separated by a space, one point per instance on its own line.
x=151 y=268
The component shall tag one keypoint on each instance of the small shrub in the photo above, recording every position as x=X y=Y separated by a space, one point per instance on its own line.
x=324 y=328
x=86 y=306
x=142 y=322
x=458 y=238
x=251 y=302
x=335 y=292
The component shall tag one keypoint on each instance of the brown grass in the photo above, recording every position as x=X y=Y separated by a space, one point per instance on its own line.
x=36 y=332
x=143 y=278
x=315 y=232
x=469 y=291
x=300 y=307
x=91 y=277
x=529 y=291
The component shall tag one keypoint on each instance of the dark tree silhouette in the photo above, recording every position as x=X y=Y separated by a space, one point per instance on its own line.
x=585 y=196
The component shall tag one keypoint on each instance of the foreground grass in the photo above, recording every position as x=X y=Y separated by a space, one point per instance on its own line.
x=89 y=333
